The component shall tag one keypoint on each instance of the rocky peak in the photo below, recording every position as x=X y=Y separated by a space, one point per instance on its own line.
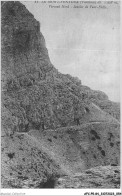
x=32 y=83
x=23 y=46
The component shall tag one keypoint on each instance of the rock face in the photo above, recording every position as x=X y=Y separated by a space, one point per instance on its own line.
x=64 y=127
x=97 y=177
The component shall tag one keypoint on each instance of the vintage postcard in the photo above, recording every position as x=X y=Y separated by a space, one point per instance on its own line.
x=60 y=97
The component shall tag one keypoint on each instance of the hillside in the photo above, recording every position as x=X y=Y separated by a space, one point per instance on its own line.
x=52 y=125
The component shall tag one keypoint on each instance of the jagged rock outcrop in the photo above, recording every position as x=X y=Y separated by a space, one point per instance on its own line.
x=73 y=127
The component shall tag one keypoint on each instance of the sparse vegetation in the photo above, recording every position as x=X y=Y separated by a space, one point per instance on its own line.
x=11 y=155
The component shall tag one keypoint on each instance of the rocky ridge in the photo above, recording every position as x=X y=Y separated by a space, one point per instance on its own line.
x=53 y=122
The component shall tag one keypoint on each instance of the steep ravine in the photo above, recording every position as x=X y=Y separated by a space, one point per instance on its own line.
x=53 y=127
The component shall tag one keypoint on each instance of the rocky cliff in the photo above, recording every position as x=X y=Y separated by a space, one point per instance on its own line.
x=51 y=124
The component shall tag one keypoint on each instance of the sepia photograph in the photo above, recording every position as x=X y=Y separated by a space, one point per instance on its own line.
x=60 y=95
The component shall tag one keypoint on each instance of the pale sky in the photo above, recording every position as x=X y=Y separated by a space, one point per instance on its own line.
x=83 y=42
